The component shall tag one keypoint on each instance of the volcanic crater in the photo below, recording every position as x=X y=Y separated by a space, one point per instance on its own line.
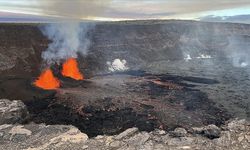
x=159 y=90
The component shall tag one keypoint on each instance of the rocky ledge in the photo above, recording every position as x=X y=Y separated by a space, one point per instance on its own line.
x=235 y=134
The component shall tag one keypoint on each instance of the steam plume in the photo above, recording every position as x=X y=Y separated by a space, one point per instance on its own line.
x=68 y=40
x=238 y=51
x=69 y=37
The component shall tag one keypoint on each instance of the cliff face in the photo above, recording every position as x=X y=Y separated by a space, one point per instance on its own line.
x=20 y=49
x=138 y=42
x=142 y=43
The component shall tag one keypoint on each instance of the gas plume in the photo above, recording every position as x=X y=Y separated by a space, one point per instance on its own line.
x=68 y=40
x=69 y=35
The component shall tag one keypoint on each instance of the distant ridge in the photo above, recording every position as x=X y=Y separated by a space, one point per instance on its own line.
x=233 y=19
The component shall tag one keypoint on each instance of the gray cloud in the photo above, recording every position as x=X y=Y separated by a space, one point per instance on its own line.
x=75 y=9
x=177 y=8
x=234 y=19
x=127 y=9
x=113 y=13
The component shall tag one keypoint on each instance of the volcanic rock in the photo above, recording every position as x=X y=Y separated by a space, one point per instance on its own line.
x=63 y=137
x=237 y=125
x=12 y=111
x=212 y=131
x=159 y=132
x=138 y=139
x=126 y=133
x=179 y=132
x=182 y=141
x=197 y=130
x=40 y=136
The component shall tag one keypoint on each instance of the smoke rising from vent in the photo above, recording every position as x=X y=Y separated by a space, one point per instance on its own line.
x=68 y=40
x=238 y=51
x=212 y=42
x=69 y=36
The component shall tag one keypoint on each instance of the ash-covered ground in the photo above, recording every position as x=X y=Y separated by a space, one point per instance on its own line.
x=177 y=74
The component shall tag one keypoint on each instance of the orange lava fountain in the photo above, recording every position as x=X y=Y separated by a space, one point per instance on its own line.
x=47 y=80
x=70 y=69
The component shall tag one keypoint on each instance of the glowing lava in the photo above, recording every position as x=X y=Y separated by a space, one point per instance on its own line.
x=70 y=69
x=47 y=80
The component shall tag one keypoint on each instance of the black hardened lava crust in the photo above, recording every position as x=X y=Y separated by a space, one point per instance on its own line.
x=109 y=116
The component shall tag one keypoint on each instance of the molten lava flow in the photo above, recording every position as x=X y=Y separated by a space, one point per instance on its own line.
x=70 y=69
x=47 y=80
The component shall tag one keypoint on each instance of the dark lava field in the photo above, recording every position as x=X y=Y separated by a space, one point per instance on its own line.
x=178 y=74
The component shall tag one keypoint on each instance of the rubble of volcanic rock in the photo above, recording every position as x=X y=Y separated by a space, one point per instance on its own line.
x=12 y=111
x=233 y=135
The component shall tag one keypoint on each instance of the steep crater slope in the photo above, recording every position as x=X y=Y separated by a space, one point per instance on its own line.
x=139 y=42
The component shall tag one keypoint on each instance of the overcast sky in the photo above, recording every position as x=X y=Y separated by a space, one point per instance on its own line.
x=123 y=9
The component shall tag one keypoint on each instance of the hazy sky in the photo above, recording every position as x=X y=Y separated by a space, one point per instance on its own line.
x=124 y=9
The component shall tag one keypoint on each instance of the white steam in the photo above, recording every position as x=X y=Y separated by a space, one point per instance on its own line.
x=69 y=37
x=117 y=65
x=210 y=43
x=238 y=51
x=68 y=40
x=187 y=57
x=204 y=56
